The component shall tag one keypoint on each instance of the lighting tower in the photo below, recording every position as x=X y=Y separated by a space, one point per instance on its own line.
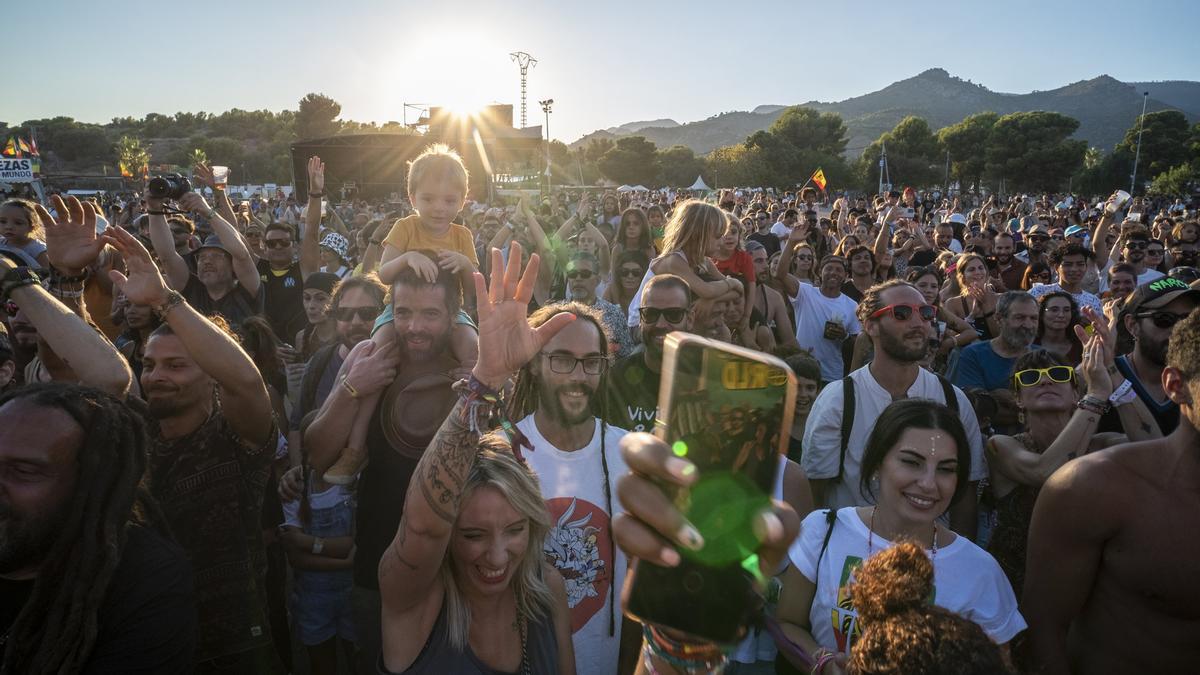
x=524 y=61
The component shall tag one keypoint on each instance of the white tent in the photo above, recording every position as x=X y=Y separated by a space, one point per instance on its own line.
x=640 y=188
x=699 y=184
x=624 y=188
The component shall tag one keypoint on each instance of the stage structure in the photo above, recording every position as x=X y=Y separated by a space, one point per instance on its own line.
x=497 y=155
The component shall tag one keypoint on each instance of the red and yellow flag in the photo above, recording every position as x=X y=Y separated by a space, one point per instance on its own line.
x=818 y=177
x=10 y=148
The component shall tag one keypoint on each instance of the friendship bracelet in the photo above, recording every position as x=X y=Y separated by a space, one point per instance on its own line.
x=1092 y=404
x=686 y=656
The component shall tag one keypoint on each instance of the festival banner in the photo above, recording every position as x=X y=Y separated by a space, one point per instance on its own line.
x=18 y=170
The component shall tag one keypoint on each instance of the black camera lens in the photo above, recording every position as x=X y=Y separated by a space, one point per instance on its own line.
x=170 y=186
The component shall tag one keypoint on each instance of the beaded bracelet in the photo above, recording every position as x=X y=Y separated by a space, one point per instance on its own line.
x=691 y=658
x=1093 y=405
x=822 y=660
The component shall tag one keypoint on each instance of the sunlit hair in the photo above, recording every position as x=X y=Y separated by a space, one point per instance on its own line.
x=495 y=467
x=732 y=223
x=960 y=268
x=1183 y=349
x=368 y=283
x=811 y=274
x=27 y=207
x=914 y=274
x=692 y=226
x=902 y=632
x=437 y=161
x=629 y=216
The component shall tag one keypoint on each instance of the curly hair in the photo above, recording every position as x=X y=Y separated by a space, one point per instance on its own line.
x=903 y=633
x=28 y=208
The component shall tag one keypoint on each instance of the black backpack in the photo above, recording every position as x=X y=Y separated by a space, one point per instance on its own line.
x=948 y=396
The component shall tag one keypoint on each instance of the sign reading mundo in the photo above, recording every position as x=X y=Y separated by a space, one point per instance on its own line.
x=20 y=170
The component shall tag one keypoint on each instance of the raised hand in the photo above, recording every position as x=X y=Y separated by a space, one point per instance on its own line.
x=506 y=340
x=425 y=267
x=71 y=242
x=203 y=174
x=453 y=261
x=193 y=202
x=142 y=283
x=1094 y=369
x=316 y=174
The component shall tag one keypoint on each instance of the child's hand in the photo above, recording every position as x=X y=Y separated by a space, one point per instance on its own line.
x=453 y=261
x=422 y=265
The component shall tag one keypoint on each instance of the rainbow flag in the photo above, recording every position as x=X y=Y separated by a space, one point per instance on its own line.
x=818 y=177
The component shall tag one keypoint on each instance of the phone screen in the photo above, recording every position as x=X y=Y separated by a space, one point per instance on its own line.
x=726 y=410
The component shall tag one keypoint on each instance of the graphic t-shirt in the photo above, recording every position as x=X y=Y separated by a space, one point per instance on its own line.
x=283 y=296
x=632 y=393
x=580 y=544
x=966 y=580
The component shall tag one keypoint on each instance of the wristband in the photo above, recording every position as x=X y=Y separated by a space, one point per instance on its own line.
x=174 y=299
x=1124 y=394
x=318 y=195
x=1093 y=404
x=318 y=545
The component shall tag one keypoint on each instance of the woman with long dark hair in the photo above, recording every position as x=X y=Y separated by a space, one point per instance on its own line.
x=633 y=234
x=628 y=271
x=1058 y=315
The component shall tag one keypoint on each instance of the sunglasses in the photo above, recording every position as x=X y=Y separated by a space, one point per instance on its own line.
x=631 y=272
x=1136 y=245
x=1162 y=319
x=905 y=312
x=804 y=257
x=565 y=364
x=580 y=274
x=650 y=315
x=1154 y=251
x=278 y=243
x=348 y=313
x=11 y=308
x=1031 y=376
x=1039 y=237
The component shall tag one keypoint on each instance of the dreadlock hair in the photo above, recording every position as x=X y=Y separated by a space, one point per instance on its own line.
x=524 y=401
x=56 y=629
x=903 y=632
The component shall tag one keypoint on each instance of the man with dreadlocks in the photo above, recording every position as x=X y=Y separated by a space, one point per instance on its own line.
x=557 y=398
x=90 y=579
x=213 y=439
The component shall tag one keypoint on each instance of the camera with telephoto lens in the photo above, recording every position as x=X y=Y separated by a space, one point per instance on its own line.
x=170 y=186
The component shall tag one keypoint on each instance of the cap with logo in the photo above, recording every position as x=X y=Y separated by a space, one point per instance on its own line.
x=1157 y=294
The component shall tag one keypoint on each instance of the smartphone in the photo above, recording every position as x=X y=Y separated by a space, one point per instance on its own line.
x=726 y=409
x=908 y=213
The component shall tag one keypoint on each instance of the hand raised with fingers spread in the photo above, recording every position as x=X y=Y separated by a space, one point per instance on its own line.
x=71 y=242
x=506 y=340
x=143 y=284
x=316 y=175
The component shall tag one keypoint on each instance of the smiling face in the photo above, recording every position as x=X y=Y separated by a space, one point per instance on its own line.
x=171 y=380
x=567 y=397
x=1072 y=269
x=975 y=272
x=422 y=320
x=918 y=475
x=438 y=199
x=928 y=286
x=806 y=393
x=1056 y=315
x=489 y=542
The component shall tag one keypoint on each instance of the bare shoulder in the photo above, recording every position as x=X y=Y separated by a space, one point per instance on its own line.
x=1112 y=473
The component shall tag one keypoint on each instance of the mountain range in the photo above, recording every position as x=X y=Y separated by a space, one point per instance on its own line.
x=1104 y=106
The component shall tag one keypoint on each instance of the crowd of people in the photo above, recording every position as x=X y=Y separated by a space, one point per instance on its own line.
x=411 y=435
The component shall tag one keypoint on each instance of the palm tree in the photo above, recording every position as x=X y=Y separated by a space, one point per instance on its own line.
x=132 y=158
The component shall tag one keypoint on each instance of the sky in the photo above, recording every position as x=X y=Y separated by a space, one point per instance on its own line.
x=603 y=63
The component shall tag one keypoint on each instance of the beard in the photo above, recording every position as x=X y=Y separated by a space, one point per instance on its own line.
x=1018 y=338
x=25 y=541
x=551 y=401
x=166 y=404
x=437 y=345
x=898 y=347
x=1154 y=351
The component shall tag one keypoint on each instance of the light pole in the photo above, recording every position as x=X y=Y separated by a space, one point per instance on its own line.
x=546 y=109
x=1138 y=153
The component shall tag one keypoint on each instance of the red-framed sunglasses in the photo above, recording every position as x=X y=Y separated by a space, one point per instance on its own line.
x=905 y=312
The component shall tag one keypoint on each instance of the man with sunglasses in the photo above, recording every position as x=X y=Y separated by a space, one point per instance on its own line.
x=1113 y=579
x=1133 y=242
x=583 y=276
x=1148 y=316
x=283 y=276
x=765 y=233
x=667 y=306
x=899 y=322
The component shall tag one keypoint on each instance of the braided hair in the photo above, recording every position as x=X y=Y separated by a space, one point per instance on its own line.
x=524 y=401
x=56 y=630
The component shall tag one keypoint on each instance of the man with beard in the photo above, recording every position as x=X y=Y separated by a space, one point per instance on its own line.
x=583 y=276
x=1133 y=251
x=226 y=282
x=355 y=304
x=577 y=459
x=632 y=389
x=1037 y=241
x=1009 y=268
x=1113 y=581
x=899 y=322
x=404 y=392
x=769 y=302
x=1071 y=262
x=213 y=438
x=824 y=316
x=90 y=579
x=1148 y=316
x=988 y=366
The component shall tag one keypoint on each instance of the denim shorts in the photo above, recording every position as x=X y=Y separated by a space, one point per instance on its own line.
x=321 y=613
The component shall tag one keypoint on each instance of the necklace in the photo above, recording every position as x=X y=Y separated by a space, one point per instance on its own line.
x=871 y=536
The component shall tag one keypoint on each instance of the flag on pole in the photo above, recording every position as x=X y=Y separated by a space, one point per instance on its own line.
x=33 y=149
x=818 y=177
x=23 y=145
x=10 y=148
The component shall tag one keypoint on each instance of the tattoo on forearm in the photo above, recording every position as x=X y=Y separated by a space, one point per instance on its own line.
x=443 y=468
x=398 y=544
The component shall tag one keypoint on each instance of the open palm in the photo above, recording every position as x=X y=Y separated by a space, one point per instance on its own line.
x=142 y=283
x=506 y=340
x=71 y=242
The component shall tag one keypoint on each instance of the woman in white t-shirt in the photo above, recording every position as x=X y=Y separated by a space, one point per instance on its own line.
x=917 y=462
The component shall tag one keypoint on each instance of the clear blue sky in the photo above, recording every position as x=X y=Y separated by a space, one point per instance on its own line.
x=603 y=63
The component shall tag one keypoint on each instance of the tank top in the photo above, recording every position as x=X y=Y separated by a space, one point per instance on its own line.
x=1014 y=511
x=437 y=657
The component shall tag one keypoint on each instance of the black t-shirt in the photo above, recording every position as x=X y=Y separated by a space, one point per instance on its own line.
x=147 y=621
x=851 y=291
x=235 y=306
x=768 y=240
x=283 y=295
x=923 y=258
x=632 y=397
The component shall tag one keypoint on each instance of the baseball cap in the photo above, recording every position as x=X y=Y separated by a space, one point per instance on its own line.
x=957 y=218
x=1074 y=230
x=1159 y=293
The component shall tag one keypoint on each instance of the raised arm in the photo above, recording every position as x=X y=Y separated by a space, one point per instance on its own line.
x=409 y=568
x=783 y=273
x=883 y=239
x=174 y=267
x=310 y=240
x=1099 y=248
x=243 y=263
x=246 y=403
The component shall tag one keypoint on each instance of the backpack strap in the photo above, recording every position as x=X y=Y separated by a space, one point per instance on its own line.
x=847 y=421
x=312 y=376
x=831 y=518
x=948 y=394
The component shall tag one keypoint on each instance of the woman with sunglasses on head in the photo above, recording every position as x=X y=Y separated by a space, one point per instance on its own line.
x=917 y=463
x=1058 y=315
x=1059 y=426
x=1038 y=272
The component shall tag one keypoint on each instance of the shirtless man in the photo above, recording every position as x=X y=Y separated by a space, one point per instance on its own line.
x=1113 y=573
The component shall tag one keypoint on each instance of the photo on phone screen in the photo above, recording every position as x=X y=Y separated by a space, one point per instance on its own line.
x=726 y=409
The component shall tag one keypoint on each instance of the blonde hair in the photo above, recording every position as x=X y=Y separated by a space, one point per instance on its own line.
x=692 y=226
x=438 y=160
x=496 y=467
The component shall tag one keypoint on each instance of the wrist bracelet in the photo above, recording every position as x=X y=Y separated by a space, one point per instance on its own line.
x=16 y=278
x=58 y=277
x=1093 y=404
x=318 y=545
x=1121 y=391
x=349 y=387
x=174 y=299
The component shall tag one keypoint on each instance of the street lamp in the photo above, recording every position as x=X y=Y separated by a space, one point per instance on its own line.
x=1138 y=153
x=546 y=109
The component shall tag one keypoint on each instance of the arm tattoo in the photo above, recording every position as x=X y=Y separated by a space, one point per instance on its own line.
x=443 y=468
x=398 y=544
